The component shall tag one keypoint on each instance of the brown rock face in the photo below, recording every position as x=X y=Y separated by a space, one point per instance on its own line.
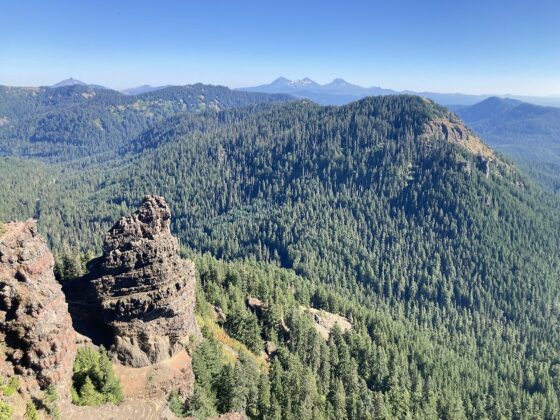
x=36 y=331
x=453 y=130
x=140 y=288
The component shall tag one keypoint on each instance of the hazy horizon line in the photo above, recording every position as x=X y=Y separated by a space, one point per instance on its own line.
x=256 y=84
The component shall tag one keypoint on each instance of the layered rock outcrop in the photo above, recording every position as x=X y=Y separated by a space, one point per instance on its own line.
x=36 y=334
x=140 y=289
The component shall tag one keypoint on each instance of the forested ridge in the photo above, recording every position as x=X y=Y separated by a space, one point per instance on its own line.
x=447 y=262
x=72 y=122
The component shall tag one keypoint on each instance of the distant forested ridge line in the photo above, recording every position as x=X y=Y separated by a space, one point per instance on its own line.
x=530 y=134
x=72 y=122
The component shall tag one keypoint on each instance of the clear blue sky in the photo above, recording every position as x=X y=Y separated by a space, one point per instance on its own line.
x=454 y=45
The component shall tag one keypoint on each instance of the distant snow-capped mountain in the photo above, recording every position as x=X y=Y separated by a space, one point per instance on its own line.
x=306 y=81
x=339 y=92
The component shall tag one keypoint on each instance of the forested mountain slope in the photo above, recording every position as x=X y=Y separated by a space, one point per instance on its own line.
x=70 y=122
x=390 y=201
x=528 y=133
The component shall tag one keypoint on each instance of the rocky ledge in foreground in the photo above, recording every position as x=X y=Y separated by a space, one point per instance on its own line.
x=38 y=341
x=140 y=291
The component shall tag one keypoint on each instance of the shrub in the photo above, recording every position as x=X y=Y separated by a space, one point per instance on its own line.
x=9 y=387
x=51 y=402
x=176 y=406
x=31 y=411
x=94 y=380
x=6 y=411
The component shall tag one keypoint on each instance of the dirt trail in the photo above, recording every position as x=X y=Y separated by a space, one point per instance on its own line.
x=128 y=410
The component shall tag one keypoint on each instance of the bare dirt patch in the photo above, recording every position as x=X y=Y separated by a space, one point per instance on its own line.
x=157 y=380
x=88 y=95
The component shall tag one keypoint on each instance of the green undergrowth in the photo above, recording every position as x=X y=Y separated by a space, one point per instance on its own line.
x=94 y=380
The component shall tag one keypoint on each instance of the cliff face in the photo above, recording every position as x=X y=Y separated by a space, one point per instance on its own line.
x=140 y=289
x=453 y=130
x=39 y=342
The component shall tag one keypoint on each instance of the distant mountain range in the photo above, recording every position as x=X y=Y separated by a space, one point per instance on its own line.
x=130 y=91
x=142 y=89
x=528 y=133
x=72 y=119
x=74 y=82
x=339 y=92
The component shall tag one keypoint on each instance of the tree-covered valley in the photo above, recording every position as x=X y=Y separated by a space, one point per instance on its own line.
x=388 y=211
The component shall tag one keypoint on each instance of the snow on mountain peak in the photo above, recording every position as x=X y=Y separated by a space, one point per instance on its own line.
x=303 y=82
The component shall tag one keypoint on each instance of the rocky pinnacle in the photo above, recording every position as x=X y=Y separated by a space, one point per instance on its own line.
x=140 y=289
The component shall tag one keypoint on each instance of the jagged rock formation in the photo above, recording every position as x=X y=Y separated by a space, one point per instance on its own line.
x=453 y=130
x=36 y=334
x=140 y=288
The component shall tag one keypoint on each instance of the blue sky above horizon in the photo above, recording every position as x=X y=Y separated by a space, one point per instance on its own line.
x=444 y=46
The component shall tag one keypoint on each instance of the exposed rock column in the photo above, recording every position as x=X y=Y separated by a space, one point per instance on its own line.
x=39 y=342
x=140 y=288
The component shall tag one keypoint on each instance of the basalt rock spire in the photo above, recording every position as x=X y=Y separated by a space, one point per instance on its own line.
x=140 y=290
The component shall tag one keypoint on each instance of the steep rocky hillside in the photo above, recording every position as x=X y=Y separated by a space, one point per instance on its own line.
x=141 y=290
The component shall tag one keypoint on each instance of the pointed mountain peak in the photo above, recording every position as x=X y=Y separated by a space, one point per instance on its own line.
x=281 y=81
x=306 y=81
x=339 y=82
x=69 y=82
x=496 y=100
